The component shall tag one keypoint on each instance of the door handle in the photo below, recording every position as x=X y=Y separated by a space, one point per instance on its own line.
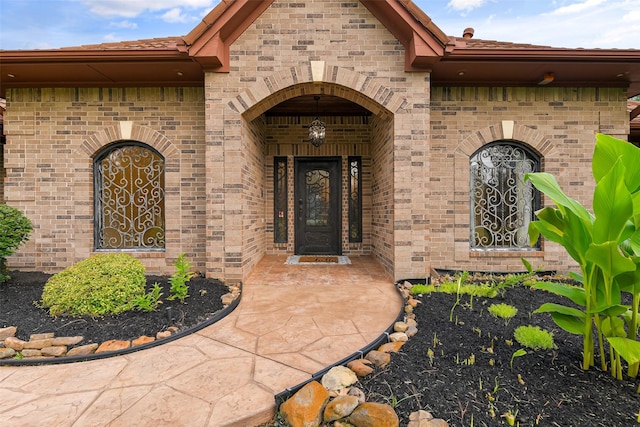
x=300 y=203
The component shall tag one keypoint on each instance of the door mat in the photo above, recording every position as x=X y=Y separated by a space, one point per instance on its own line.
x=323 y=259
x=318 y=259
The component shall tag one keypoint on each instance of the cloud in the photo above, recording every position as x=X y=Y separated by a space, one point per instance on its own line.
x=175 y=15
x=577 y=7
x=633 y=16
x=124 y=24
x=465 y=5
x=618 y=36
x=111 y=37
x=131 y=9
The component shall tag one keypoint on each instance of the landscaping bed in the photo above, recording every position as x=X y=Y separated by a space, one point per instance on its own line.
x=462 y=370
x=19 y=299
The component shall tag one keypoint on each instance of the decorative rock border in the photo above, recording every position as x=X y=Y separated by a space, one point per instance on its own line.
x=46 y=348
x=46 y=345
x=333 y=401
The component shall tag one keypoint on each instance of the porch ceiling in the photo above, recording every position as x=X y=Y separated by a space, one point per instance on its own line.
x=328 y=105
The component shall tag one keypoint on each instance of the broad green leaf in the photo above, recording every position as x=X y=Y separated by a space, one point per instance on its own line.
x=612 y=205
x=536 y=228
x=568 y=318
x=608 y=151
x=627 y=348
x=577 y=237
x=553 y=218
x=634 y=241
x=610 y=310
x=546 y=183
x=625 y=238
x=550 y=224
x=576 y=276
x=571 y=324
x=635 y=198
x=574 y=293
x=608 y=257
x=630 y=281
x=550 y=307
x=613 y=327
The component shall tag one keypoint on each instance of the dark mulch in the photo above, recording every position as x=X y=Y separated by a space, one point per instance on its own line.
x=17 y=308
x=555 y=390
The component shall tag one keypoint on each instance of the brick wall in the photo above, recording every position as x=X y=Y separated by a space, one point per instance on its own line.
x=52 y=135
x=557 y=123
x=358 y=59
x=219 y=147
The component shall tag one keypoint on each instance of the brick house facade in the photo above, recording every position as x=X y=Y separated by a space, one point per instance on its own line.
x=227 y=109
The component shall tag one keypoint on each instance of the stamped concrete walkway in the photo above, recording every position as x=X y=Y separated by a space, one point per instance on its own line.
x=292 y=321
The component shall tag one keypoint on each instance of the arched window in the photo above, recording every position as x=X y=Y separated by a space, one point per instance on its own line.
x=502 y=204
x=129 y=198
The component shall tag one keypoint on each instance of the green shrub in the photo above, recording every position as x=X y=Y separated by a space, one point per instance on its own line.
x=534 y=337
x=101 y=284
x=503 y=311
x=14 y=230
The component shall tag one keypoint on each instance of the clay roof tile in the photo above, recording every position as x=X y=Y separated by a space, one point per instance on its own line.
x=163 y=43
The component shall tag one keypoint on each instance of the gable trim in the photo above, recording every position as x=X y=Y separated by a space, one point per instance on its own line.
x=209 y=42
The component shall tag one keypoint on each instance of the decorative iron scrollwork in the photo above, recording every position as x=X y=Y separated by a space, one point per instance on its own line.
x=130 y=199
x=502 y=204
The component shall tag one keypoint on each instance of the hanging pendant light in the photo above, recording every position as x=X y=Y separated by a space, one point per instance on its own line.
x=317 y=128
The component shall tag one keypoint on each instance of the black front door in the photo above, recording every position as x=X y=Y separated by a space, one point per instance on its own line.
x=317 y=198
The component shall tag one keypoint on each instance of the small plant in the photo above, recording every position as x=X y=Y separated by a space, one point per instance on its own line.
x=179 y=288
x=503 y=311
x=510 y=417
x=149 y=301
x=486 y=290
x=471 y=360
x=14 y=230
x=420 y=289
x=393 y=401
x=430 y=355
x=534 y=337
x=101 y=284
x=517 y=353
x=457 y=300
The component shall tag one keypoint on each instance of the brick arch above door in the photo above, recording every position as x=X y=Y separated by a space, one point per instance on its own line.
x=317 y=77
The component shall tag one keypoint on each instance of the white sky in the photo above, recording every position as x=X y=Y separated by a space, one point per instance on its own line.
x=42 y=24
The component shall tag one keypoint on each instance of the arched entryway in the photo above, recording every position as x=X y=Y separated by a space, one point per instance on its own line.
x=335 y=198
x=256 y=169
x=320 y=200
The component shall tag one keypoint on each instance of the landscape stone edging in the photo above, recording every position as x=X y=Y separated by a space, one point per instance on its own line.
x=416 y=418
x=224 y=312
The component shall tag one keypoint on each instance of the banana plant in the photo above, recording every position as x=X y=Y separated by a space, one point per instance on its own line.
x=606 y=247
